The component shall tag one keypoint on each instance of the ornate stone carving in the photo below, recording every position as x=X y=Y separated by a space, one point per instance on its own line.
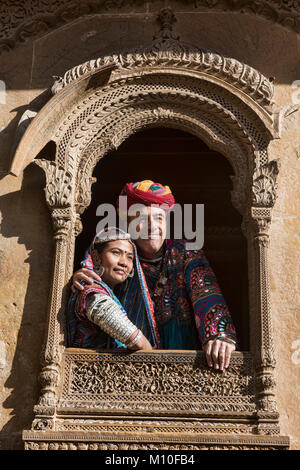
x=23 y=20
x=166 y=18
x=189 y=119
x=137 y=446
x=166 y=426
x=83 y=194
x=155 y=384
x=42 y=424
x=58 y=191
x=49 y=378
x=55 y=441
x=58 y=188
x=167 y=50
x=265 y=185
x=124 y=375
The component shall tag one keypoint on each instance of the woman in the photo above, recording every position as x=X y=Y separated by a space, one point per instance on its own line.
x=100 y=321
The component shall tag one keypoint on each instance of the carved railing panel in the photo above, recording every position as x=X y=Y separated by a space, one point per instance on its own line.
x=159 y=382
x=154 y=400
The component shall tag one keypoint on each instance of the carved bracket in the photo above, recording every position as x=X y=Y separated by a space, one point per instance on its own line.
x=265 y=184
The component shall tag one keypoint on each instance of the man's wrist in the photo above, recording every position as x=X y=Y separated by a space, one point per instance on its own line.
x=221 y=337
x=226 y=338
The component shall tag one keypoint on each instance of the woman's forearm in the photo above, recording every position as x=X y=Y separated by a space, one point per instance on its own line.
x=104 y=312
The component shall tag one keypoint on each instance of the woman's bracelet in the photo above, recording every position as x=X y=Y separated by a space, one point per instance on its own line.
x=135 y=340
x=105 y=313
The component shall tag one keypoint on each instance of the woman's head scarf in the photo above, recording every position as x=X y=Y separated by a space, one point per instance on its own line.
x=138 y=286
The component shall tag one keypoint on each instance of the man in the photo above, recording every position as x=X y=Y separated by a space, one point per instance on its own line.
x=189 y=307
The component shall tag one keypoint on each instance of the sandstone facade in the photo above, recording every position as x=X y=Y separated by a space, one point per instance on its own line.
x=38 y=45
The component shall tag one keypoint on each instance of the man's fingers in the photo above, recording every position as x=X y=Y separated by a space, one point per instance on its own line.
x=215 y=354
x=222 y=354
x=82 y=277
x=229 y=350
x=95 y=276
x=85 y=273
x=207 y=349
x=77 y=285
x=218 y=353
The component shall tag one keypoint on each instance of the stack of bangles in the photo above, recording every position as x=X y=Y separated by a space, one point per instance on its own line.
x=104 y=312
x=135 y=340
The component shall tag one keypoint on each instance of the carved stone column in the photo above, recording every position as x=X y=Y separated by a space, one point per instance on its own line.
x=59 y=198
x=256 y=224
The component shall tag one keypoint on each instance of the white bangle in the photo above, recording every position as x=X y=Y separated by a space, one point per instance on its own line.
x=135 y=340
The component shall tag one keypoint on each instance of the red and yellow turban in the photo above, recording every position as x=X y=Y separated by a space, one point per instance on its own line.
x=148 y=193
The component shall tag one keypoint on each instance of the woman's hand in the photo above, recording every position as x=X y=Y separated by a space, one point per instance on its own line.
x=218 y=353
x=85 y=275
x=142 y=343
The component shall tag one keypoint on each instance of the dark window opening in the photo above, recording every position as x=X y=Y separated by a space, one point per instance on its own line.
x=195 y=174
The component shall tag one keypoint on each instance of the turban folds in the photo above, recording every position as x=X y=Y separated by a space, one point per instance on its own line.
x=148 y=193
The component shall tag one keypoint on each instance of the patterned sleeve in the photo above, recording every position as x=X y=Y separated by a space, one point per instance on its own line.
x=212 y=316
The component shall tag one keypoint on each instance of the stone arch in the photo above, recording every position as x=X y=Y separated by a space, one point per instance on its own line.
x=95 y=107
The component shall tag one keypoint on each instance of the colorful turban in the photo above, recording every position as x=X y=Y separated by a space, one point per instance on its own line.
x=148 y=193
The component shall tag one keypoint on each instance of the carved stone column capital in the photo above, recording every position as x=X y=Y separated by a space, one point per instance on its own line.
x=260 y=219
x=77 y=226
x=59 y=195
x=83 y=192
x=58 y=184
x=61 y=219
x=264 y=189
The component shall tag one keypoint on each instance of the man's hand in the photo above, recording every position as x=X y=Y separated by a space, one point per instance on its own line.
x=218 y=353
x=85 y=275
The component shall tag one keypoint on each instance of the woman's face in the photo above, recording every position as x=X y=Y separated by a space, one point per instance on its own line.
x=117 y=260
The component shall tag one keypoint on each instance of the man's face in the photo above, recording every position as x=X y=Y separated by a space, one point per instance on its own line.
x=151 y=227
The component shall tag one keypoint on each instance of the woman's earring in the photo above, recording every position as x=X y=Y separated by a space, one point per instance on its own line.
x=99 y=268
x=131 y=274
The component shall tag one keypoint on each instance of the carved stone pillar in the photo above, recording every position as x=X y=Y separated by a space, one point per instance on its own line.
x=256 y=225
x=59 y=197
x=264 y=359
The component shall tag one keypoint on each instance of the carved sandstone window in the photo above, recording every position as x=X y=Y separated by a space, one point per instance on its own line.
x=96 y=107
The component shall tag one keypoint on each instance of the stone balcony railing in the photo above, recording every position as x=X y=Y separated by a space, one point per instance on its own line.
x=154 y=400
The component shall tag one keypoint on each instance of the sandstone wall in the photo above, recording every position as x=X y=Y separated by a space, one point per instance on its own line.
x=26 y=247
